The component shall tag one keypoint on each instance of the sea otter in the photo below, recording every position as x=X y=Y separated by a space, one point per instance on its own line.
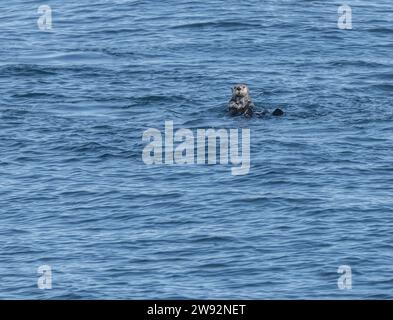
x=241 y=103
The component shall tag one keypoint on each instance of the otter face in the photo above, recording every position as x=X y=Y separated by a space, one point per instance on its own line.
x=240 y=90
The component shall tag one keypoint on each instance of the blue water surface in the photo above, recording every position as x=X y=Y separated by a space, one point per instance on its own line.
x=76 y=195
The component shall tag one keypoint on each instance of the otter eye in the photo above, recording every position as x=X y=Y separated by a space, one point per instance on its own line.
x=243 y=87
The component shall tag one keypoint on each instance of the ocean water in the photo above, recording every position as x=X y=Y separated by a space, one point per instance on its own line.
x=75 y=194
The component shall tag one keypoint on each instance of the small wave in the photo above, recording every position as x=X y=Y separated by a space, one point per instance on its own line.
x=356 y=63
x=37 y=70
x=217 y=24
x=25 y=70
x=87 y=146
x=80 y=57
x=160 y=98
x=386 y=31
x=13 y=113
x=215 y=238
x=38 y=95
x=384 y=87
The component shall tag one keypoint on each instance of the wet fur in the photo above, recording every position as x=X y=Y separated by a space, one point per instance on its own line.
x=241 y=103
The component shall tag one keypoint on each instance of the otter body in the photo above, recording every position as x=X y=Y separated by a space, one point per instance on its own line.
x=241 y=103
x=241 y=106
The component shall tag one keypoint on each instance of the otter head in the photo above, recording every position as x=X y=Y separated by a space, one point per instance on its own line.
x=240 y=90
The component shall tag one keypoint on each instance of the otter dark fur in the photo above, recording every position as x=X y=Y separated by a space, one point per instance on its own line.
x=241 y=103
